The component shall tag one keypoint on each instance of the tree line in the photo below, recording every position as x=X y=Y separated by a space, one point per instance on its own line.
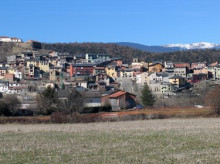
x=128 y=53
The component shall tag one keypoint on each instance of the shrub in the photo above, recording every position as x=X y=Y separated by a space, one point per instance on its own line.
x=59 y=117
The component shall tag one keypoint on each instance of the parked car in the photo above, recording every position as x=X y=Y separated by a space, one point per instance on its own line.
x=138 y=107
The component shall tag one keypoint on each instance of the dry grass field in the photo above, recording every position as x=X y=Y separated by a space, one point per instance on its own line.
x=147 y=141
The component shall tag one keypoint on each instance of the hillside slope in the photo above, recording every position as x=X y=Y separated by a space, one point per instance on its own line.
x=7 y=49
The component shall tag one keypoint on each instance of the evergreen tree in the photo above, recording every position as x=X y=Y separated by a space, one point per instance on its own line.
x=49 y=93
x=147 y=97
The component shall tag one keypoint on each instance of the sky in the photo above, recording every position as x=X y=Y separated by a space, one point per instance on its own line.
x=149 y=22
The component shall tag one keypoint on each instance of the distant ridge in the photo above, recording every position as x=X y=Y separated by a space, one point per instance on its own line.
x=170 y=47
x=148 y=48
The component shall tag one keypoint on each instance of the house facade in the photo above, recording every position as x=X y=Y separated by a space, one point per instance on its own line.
x=180 y=71
x=4 y=86
x=216 y=72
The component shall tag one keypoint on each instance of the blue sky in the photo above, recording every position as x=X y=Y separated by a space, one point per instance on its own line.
x=149 y=22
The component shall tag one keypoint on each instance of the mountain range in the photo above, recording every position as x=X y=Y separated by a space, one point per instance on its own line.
x=171 y=47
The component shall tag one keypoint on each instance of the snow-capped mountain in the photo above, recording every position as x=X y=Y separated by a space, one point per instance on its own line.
x=171 y=47
x=199 y=45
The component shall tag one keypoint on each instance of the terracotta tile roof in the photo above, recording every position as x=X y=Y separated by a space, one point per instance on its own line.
x=117 y=94
x=29 y=41
x=214 y=64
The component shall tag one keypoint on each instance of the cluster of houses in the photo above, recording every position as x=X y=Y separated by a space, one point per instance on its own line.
x=102 y=79
x=30 y=72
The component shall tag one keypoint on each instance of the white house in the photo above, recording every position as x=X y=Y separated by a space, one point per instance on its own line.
x=158 y=77
x=216 y=72
x=169 y=67
x=4 y=85
x=167 y=88
x=9 y=39
x=18 y=74
x=83 y=84
x=142 y=78
x=180 y=71
x=17 y=90
x=127 y=73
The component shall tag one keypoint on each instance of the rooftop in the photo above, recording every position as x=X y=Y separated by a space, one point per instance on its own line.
x=176 y=77
x=117 y=94
x=3 y=68
x=154 y=64
x=163 y=74
x=91 y=94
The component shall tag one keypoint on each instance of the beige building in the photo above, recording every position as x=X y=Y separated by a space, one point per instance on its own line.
x=127 y=73
x=3 y=72
x=55 y=73
x=44 y=66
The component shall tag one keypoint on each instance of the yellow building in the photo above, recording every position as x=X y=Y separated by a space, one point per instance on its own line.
x=145 y=64
x=31 y=62
x=177 y=80
x=155 y=67
x=11 y=70
x=111 y=70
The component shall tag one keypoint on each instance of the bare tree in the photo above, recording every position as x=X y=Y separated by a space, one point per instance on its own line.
x=213 y=99
x=10 y=104
x=73 y=103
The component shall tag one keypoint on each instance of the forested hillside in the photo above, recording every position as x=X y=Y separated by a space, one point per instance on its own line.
x=126 y=53
x=208 y=55
x=114 y=50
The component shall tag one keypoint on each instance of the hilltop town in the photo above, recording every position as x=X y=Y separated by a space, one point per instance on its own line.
x=101 y=79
